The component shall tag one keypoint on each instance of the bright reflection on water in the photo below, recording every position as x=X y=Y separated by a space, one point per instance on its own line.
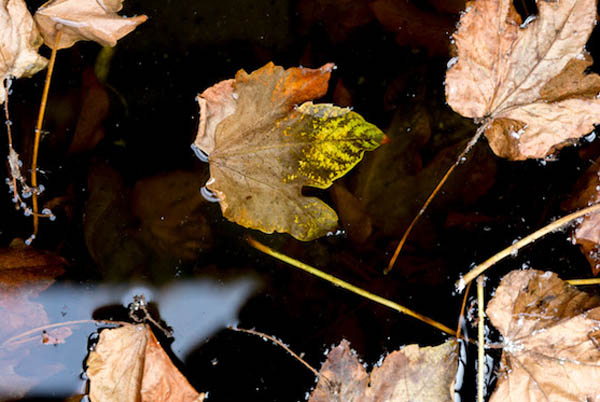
x=194 y=309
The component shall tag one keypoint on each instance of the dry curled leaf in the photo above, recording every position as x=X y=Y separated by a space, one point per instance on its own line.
x=586 y=232
x=263 y=148
x=129 y=364
x=95 y=20
x=19 y=41
x=409 y=374
x=551 y=339
x=526 y=80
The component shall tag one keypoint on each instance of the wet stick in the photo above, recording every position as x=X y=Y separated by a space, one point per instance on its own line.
x=583 y=282
x=475 y=272
x=38 y=131
x=437 y=188
x=480 y=340
x=461 y=317
x=355 y=289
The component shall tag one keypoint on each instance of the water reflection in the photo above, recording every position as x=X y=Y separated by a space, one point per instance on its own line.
x=194 y=309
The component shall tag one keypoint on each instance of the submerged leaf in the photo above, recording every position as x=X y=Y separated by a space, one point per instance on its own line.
x=526 y=79
x=19 y=41
x=551 y=339
x=263 y=149
x=95 y=20
x=409 y=374
x=129 y=364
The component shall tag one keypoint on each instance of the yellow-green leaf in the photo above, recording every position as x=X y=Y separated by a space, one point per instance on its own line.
x=263 y=148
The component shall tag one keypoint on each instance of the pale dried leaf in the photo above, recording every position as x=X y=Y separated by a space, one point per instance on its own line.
x=19 y=41
x=551 y=339
x=128 y=364
x=95 y=20
x=529 y=80
x=409 y=374
x=263 y=148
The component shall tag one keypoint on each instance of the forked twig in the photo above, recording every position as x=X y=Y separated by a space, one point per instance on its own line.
x=38 y=131
x=343 y=284
x=459 y=160
x=565 y=220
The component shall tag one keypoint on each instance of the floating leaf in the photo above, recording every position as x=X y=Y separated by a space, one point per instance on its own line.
x=263 y=149
x=527 y=80
x=551 y=339
x=129 y=364
x=409 y=374
x=19 y=41
x=95 y=20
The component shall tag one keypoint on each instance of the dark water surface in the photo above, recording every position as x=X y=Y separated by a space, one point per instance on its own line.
x=132 y=220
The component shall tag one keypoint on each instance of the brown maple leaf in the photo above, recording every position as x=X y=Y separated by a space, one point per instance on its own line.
x=95 y=20
x=551 y=339
x=526 y=81
x=263 y=148
x=128 y=364
x=409 y=374
x=19 y=41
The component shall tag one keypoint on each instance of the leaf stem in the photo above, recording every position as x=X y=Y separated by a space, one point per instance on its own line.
x=437 y=188
x=338 y=282
x=475 y=272
x=38 y=131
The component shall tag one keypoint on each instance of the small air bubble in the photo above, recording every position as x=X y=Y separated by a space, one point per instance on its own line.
x=208 y=195
x=200 y=154
x=46 y=211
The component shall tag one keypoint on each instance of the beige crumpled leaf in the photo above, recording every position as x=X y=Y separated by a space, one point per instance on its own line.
x=551 y=345
x=526 y=80
x=95 y=20
x=19 y=41
x=129 y=364
x=409 y=374
x=263 y=148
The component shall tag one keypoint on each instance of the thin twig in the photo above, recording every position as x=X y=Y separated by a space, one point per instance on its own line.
x=475 y=272
x=338 y=282
x=480 y=340
x=462 y=312
x=38 y=131
x=16 y=338
x=286 y=348
x=437 y=188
